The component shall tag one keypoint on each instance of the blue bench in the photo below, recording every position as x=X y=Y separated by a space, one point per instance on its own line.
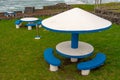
x=94 y=63
x=30 y=25
x=51 y=59
x=18 y=23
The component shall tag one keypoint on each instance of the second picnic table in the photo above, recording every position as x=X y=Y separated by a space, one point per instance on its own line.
x=30 y=21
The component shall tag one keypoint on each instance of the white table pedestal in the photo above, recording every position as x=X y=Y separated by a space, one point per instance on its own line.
x=74 y=59
x=17 y=26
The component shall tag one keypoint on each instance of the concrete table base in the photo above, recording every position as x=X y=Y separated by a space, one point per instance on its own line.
x=83 y=49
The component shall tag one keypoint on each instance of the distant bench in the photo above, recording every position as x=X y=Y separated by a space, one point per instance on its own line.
x=33 y=24
x=18 y=23
x=30 y=25
x=91 y=64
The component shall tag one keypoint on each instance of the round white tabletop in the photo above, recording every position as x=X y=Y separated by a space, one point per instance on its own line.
x=29 y=19
x=83 y=50
x=10 y=12
x=76 y=20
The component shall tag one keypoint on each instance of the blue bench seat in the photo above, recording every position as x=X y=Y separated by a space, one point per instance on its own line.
x=31 y=24
x=94 y=63
x=51 y=59
x=17 y=22
x=39 y=23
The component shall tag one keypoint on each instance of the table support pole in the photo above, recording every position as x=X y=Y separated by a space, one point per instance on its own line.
x=74 y=40
x=74 y=59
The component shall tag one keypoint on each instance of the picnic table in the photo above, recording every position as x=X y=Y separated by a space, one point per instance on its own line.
x=10 y=13
x=75 y=21
x=30 y=20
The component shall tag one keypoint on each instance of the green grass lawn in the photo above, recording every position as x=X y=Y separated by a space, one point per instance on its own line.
x=87 y=7
x=115 y=7
x=21 y=56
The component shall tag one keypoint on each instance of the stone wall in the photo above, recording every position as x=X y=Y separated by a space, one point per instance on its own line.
x=32 y=12
x=108 y=14
x=58 y=6
x=29 y=10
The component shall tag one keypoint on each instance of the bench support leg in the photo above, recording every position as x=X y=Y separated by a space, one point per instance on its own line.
x=74 y=59
x=17 y=26
x=85 y=72
x=40 y=26
x=53 y=68
x=29 y=27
